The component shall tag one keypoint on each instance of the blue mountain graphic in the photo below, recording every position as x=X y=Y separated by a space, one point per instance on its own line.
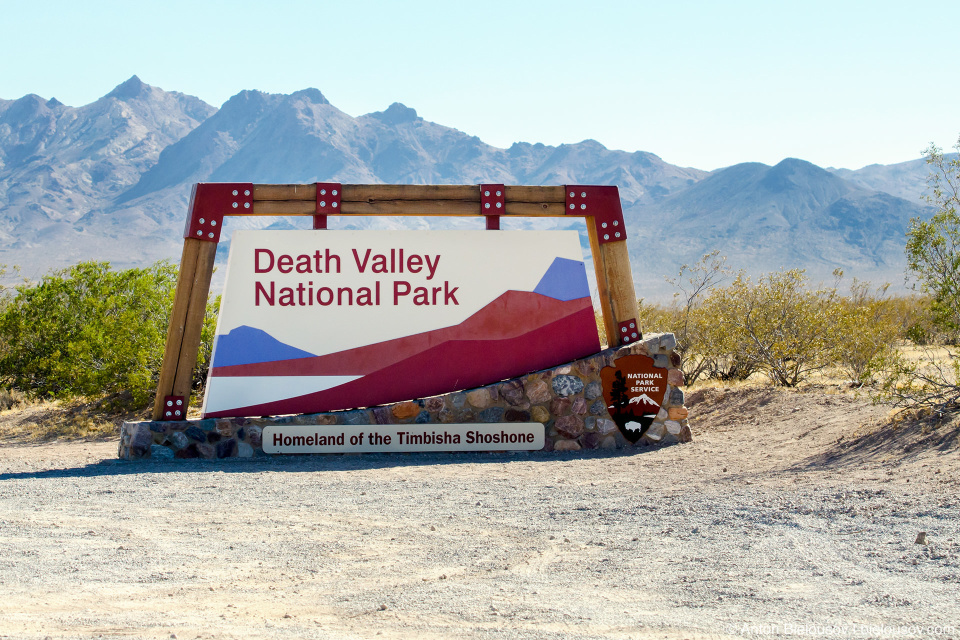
x=247 y=345
x=564 y=280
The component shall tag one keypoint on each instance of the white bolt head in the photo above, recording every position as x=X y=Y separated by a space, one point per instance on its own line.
x=168 y=414
x=209 y=235
x=616 y=223
x=498 y=194
x=235 y=205
x=246 y=205
x=603 y=225
x=169 y=403
x=199 y=233
x=626 y=338
x=617 y=234
x=486 y=205
x=213 y=223
x=333 y=204
x=247 y=192
x=573 y=206
x=606 y=236
x=583 y=195
x=634 y=334
x=633 y=326
x=499 y=204
x=179 y=402
x=235 y=192
x=486 y=194
x=323 y=192
x=202 y=220
x=583 y=206
x=334 y=192
x=623 y=329
x=573 y=195
x=323 y=203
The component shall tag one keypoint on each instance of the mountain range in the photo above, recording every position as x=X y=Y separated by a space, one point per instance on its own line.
x=111 y=180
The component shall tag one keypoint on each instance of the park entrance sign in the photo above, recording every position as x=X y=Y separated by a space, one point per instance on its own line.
x=314 y=321
x=465 y=333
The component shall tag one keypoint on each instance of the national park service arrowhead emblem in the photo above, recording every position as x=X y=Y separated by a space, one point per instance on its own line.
x=634 y=390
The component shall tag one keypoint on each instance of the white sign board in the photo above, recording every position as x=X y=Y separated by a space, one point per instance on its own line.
x=315 y=321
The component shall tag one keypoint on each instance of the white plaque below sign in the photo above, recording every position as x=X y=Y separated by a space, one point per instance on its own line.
x=300 y=438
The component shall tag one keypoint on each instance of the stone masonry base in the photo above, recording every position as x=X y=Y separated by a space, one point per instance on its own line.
x=567 y=399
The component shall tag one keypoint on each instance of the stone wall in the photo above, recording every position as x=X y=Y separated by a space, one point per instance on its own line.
x=567 y=399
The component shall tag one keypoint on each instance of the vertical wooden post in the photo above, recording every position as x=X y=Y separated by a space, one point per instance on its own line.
x=186 y=322
x=618 y=299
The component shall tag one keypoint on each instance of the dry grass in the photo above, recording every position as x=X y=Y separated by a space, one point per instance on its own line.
x=34 y=421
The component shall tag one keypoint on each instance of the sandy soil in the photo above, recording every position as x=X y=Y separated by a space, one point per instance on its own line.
x=792 y=514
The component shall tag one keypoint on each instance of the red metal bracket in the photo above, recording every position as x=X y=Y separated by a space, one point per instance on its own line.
x=603 y=205
x=210 y=202
x=174 y=408
x=329 y=195
x=492 y=204
x=629 y=331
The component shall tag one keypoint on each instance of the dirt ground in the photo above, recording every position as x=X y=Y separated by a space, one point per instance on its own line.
x=791 y=514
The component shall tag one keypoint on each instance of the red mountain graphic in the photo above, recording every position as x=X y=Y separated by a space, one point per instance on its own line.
x=486 y=347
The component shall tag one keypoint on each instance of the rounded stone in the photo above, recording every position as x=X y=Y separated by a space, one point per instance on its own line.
x=685 y=434
x=676 y=397
x=593 y=390
x=195 y=434
x=480 y=398
x=512 y=392
x=446 y=416
x=493 y=414
x=675 y=377
x=434 y=404
x=579 y=406
x=569 y=426
x=538 y=392
x=206 y=451
x=160 y=452
x=244 y=450
x=609 y=442
x=423 y=417
x=539 y=414
x=566 y=445
x=255 y=436
x=678 y=413
x=656 y=432
x=672 y=426
x=566 y=385
x=560 y=406
x=178 y=440
x=516 y=415
x=359 y=417
x=599 y=407
x=606 y=426
x=590 y=440
x=404 y=411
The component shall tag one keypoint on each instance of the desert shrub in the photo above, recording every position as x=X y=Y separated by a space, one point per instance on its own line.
x=867 y=329
x=88 y=331
x=777 y=325
x=929 y=382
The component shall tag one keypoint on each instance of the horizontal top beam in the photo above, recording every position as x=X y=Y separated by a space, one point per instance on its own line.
x=400 y=192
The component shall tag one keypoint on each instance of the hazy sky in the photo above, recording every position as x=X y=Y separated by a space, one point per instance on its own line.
x=702 y=84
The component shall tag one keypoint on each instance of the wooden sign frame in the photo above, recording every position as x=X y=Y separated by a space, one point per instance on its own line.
x=211 y=202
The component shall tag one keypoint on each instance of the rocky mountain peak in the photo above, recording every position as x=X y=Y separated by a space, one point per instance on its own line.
x=396 y=113
x=132 y=88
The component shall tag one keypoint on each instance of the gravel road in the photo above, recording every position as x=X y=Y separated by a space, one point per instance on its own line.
x=725 y=537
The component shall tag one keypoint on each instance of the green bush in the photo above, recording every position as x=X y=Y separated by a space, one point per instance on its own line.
x=89 y=331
